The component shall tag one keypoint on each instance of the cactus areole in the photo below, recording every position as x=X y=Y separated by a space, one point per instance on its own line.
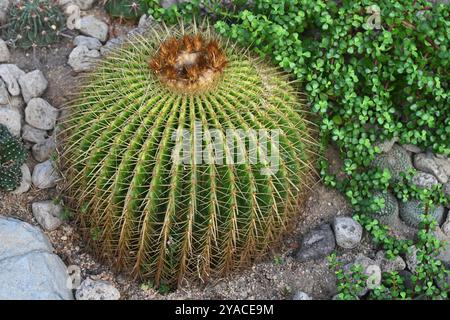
x=186 y=157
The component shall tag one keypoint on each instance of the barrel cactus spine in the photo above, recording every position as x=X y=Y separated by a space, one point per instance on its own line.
x=167 y=219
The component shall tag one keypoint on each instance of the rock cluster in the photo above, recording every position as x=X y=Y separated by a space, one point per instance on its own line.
x=26 y=114
x=431 y=170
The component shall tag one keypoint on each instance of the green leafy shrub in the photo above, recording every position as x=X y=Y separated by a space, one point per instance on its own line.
x=161 y=219
x=12 y=156
x=33 y=23
x=126 y=9
x=429 y=278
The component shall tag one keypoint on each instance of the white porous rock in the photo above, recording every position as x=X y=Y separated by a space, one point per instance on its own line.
x=33 y=84
x=40 y=114
x=93 y=27
x=25 y=183
x=10 y=73
x=82 y=59
x=347 y=231
x=33 y=135
x=97 y=290
x=47 y=214
x=89 y=42
x=4 y=51
x=11 y=119
x=45 y=175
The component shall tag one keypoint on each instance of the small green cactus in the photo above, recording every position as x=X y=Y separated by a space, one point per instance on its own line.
x=397 y=160
x=126 y=9
x=34 y=23
x=390 y=212
x=412 y=210
x=12 y=157
x=164 y=219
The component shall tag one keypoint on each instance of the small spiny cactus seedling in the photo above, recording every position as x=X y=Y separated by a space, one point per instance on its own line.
x=12 y=157
x=163 y=219
x=126 y=9
x=389 y=213
x=397 y=160
x=412 y=211
x=34 y=23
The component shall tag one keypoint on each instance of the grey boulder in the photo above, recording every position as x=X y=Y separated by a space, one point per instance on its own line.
x=317 y=244
x=29 y=269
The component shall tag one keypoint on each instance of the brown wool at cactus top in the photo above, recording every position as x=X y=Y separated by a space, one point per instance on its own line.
x=189 y=62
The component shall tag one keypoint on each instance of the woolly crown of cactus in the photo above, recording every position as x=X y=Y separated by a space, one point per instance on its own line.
x=161 y=210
